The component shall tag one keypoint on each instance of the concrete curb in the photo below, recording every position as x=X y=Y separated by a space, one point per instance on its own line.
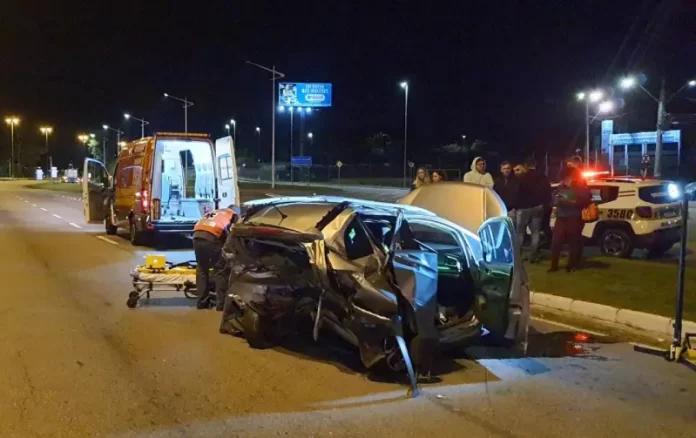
x=631 y=318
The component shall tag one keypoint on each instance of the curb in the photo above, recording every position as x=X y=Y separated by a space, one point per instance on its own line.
x=630 y=318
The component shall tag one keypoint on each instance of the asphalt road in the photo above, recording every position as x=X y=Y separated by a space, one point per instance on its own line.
x=77 y=362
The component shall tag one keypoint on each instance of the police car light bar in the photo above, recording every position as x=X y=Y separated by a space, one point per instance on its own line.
x=594 y=173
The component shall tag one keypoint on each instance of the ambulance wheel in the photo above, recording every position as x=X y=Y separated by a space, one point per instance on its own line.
x=616 y=243
x=111 y=229
x=137 y=238
x=254 y=329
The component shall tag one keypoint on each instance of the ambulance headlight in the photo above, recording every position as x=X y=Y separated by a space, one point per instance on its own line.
x=673 y=190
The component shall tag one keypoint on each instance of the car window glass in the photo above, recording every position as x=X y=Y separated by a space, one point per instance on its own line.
x=432 y=235
x=497 y=243
x=356 y=241
x=604 y=194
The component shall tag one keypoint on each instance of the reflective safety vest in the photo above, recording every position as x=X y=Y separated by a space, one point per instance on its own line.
x=216 y=222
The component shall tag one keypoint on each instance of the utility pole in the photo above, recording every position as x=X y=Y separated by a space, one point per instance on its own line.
x=291 y=145
x=660 y=122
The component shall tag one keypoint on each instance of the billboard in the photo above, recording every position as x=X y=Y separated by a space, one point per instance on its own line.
x=304 y=94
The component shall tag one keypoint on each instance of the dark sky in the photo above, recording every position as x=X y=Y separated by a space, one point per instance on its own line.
x=502 y=71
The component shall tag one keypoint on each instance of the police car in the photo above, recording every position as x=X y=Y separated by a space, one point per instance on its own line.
x=633 y=214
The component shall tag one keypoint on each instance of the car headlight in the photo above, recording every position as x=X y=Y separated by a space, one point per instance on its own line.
x=673 y=190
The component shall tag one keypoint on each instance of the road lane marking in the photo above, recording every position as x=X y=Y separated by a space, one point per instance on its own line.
x=56 y=216
x=106 y=239
x=33 y=205
x=568 y=326
x=26 y=201
x=43 y=209
x=74 y=225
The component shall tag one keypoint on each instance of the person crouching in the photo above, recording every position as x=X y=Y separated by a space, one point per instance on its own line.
x=209 y=235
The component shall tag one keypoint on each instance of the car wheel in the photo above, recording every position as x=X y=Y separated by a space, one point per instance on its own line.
x=616 y=243
x=255 y=328
x=111 y=229
x=656 y=251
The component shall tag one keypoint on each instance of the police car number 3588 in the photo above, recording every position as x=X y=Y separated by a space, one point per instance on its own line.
x=619 y=213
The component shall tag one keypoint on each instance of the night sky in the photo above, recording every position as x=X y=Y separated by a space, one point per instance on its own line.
x=501 y=71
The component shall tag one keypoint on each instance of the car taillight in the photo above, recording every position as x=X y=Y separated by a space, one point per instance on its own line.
x=644 y=212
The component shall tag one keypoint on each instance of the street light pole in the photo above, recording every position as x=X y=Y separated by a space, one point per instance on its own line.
x=660 y=122
x=12 y=121
x=589 y=97
x=276 y=75
x=118 y=137
x=291 y=144
x=404 y=85
x=258 y=143
x=46 y=130
x=142 y=123
x=187 y=105
x=234 y=131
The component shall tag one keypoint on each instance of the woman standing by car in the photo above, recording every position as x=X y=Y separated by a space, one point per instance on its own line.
x=422 y=178
x=571 y=197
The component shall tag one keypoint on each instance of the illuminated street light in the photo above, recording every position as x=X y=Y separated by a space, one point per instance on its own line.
x=118 y=136
x=580 y=96
x=83 y=138
x=12 y=121
x=258 y=129
x=310 y=136
x=588 y=97
x=92 y=135
x=404 y=85
x=596 y=95
x=46 y=131
x=281 y=108
x=276 y=75
x=234 y=131
x=187 y=105
x=628 y=82
x=606 y=106
x=692 y=83
x=227 y=127
x=258 y=143
x=308 y=110
x=142 y=123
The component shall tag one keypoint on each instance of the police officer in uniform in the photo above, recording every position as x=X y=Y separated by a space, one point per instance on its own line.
x=209 y=235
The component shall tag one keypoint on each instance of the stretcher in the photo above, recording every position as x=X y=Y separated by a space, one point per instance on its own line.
x=159 y=275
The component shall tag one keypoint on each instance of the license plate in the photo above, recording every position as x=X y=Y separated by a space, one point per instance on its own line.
x=669 y=214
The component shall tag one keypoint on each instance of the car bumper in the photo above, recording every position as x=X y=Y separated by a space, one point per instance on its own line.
x=169 y=228
x=664 y=237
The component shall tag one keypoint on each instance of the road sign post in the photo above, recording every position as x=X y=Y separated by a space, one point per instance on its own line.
x=339 y=164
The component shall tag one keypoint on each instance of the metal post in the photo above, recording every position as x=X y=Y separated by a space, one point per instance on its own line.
x=104 y=149
x=273 y=110
x=118 y=142
x=13 y=160
x=660 y=121
x=185 y=115
x=587 y=131
x=405 y=132
x=302 y=115
x=676 y=340
x=291 y=131
x=48 y=158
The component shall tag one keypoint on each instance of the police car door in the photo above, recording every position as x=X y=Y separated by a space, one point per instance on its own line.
x=95 y=190
x=226 y=172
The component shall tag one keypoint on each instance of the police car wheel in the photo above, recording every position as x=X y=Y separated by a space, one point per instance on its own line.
x=616 y=243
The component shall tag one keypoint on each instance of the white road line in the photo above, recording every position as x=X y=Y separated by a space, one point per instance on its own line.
x=56 y=216
x=568 y=326
x=106 y=239
x=33 y=205
x=43 y=209
x=75 y=225
x=26 y=201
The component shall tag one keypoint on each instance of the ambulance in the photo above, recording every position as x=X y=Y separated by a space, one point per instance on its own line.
x=161 y=184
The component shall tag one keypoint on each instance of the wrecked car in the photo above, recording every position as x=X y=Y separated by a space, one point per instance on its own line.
x=395 y=280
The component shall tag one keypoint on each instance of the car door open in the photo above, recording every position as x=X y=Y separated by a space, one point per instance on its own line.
x=226 y=166
x=95 y=188
x=496 y=273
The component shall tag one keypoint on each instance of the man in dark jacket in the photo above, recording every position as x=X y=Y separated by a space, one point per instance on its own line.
x=507 y=187
x=533 y=202
x=570 y=198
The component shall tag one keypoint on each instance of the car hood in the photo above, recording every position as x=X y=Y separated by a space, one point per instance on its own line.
x=467 y=205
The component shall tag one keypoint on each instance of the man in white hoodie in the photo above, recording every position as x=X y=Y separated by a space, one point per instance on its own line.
x=478 y=174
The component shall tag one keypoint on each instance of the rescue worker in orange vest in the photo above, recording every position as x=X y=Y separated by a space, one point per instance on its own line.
x=209 y=235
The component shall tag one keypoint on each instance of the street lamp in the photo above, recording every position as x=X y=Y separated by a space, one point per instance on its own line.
x=606 y=106
x=46 y=130
x=233 y=122
x=258 y=143
x=310 y=136
x=404 y=85
x=12 y=121
x=630 y=82
x=142 y=123
x=187 y=105
x=589 y=97
x=118 y=135
x=276 y=75
x=227 y=127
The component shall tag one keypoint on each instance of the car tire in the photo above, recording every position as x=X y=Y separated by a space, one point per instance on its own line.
x=255 y=328
x=111 y=229
x=137 y=238
x=656 y=251
x=615 y=242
